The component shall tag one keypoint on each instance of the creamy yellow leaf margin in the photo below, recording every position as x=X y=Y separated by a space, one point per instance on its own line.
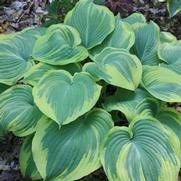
x=64 y=97
x=145 y=151
x=71 y=152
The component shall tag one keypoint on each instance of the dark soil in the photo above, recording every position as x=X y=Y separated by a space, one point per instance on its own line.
x=31 y=13
x=9 y=152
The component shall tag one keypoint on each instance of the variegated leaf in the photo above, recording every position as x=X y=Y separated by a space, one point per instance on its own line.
x=63 y=97
x=170 y=53
x=59 y=46
x=37 y=71
x=27 y=164
x=145 y=151
x=162 y=83
x=93 y=22
x=132 y=104
x=147 y=43
x=18 y=112
x=167 y=37
x=122 y=37
x=15 y=54
x=117 y=67
x=69 y=153
x=136 y=20
x=171 y=118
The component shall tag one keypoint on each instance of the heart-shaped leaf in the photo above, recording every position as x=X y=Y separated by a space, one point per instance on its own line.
x=117 y=67
x=93 y=22
x=73 y=151
x=63 y=97
x=59 y=46
x=144 y=151
x=18 y=113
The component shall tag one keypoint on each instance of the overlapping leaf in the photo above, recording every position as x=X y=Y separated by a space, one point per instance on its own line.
x=18 y=113
x=93 y=22
x=162 y=83
x=37 y=71
x=63 y=97
x=3 y=87
x=170 y=53
x=132 y=104
x=117 y=67
x=15 y=54
x=147 y=43
x=167 y=37
x=59 y=46
x=122 y=37
x=145 y=151
x=136 y=20
x=71 y=152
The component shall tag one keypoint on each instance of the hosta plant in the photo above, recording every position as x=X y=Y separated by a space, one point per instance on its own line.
x=93 y=92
